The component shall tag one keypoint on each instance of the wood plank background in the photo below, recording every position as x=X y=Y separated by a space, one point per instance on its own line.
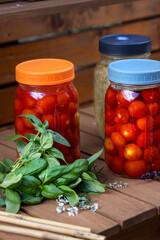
x=71 y=35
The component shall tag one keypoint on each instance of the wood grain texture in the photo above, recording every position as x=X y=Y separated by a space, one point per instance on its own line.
x=18 y=10
x=80 y=48
x=95 y=221
x=147 y=230
x=78 y=19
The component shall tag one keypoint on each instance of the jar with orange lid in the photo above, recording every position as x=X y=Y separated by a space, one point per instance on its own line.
x=46 y=90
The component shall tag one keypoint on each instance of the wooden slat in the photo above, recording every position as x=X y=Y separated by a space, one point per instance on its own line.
x=147 y=230
x=81 y=48
x=95 y=221
x=27 y=9
x=43 y=25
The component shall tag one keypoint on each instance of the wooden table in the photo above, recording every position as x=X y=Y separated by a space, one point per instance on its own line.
x=131 y=213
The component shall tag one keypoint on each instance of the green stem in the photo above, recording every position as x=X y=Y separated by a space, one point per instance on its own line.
x=17 y=165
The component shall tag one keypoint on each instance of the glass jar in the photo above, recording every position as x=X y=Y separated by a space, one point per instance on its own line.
x=132 y=117
x=113 y=48
x=46 y=91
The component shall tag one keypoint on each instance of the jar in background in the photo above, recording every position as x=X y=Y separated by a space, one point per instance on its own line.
x=46 y=91
x=113 y=48
x=132 y=117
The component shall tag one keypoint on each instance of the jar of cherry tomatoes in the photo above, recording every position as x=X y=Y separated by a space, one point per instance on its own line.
x=112 y=48
x=132 y=117
x=46 y=90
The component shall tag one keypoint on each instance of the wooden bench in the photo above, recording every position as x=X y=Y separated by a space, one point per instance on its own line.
x=70 y=30
x=131 y=213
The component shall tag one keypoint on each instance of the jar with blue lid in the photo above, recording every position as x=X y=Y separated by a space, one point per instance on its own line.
x=132 y=117
x=113 y=48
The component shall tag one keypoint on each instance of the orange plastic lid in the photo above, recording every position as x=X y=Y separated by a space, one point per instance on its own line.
x=45 y=72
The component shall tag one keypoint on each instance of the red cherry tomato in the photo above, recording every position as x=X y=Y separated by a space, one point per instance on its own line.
x=155 y=166
x=135 y=168
x=26 y=122
x=153 y=108
x=18 y=106
x=110 y=97
x=146 y=123
x=63 y=99
x=150 y=95
x=123 y=98
x=121 y=115
x=72 y=108
x=121 y=152
x=145 y=139
x=117 y=164
x=109 y=115
x=118 y=139
x=19 y=125
x=109 y=146
x=19 y=93
x=157 y=136
x=151 y=154
x=65 y=122
x=132 y=152
x=157 y=121
x=108 y=158
x=29 y=101
x=129 y=131
x=137 y=109
x=108 y=129
x=72 y=138
x=51 y=120
x=46 y=105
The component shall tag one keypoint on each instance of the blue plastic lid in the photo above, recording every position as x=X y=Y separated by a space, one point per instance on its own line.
x=134 y=71
x=125 y=44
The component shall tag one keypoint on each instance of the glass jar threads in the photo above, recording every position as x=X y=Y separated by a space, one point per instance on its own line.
x=46 y=91
x=132 y=117
x=113 y=48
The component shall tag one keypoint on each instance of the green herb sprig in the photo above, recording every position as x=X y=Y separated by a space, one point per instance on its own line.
x=38 y=174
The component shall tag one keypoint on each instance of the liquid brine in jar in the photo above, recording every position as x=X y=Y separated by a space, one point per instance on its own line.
x=46 y=90
x=132 y=117
x=113 y=48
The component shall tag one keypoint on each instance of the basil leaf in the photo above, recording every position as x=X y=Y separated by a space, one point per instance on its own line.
x=30 y=185
x=2 y=202
x=46 y=141
x=30 y=136
x=75 y=183
x=56 y=153
x=93 y=158
x=35 y=156
x=92 y=175
x=30 y=148
x=52 y=173
x=8 y=162
x=89 y=185
x=2 y=176
x=45 y=124
x=70 y=194
x=74 y=171
x=33 y=167
x=11 y=180
x=13 y=201
x=51 y=191
x=31 y=200
x=32 y=119
x=2 y=168
x=20 y=145
x=13 y=137
x=52 y=161
x=58 y=138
